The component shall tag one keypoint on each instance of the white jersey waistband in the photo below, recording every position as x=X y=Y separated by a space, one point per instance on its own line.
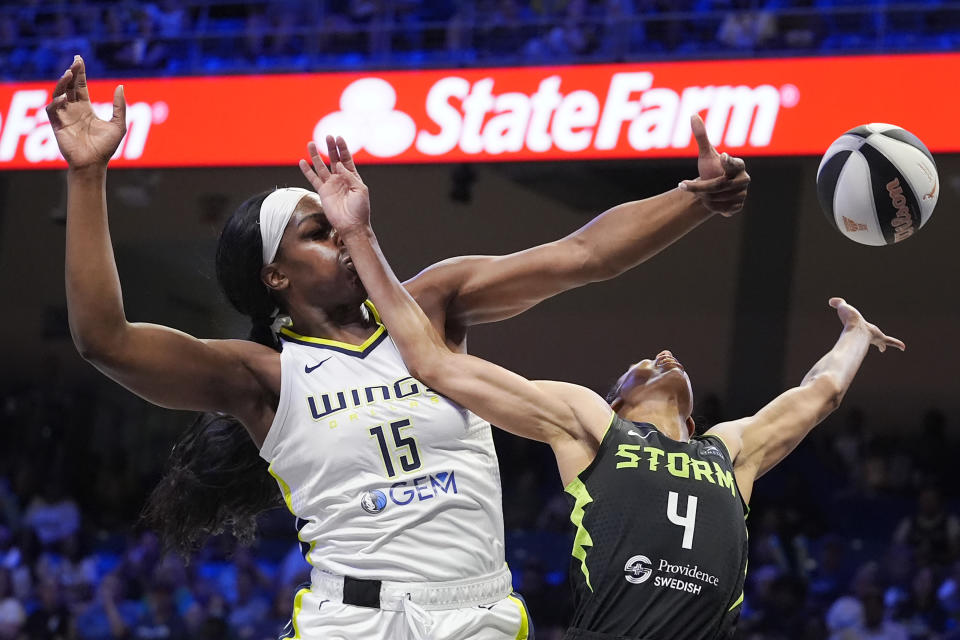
x=431 y=596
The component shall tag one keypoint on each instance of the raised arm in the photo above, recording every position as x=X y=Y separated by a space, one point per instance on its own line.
x=162 y=365
x=759 y=442
x=540 y=411
x=476 y=289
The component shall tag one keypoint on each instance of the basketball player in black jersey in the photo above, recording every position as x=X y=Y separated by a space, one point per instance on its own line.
x=660 y=551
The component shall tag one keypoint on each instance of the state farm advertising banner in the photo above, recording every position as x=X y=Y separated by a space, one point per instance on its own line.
x=751 y=107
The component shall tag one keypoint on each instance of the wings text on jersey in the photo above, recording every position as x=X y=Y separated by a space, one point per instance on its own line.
x=407 y=388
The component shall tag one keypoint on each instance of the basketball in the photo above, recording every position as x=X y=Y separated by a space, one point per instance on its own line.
x=877 y=184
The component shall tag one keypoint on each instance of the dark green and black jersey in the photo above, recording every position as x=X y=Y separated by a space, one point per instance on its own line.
x=661 y=545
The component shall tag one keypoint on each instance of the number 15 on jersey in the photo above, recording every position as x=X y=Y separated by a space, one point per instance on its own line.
x=404 y=450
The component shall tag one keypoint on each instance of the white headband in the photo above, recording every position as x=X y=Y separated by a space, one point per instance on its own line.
x=275 y=213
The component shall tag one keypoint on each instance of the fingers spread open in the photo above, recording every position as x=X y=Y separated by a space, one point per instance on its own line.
x=318 y=165
x=345 y=156
x=333 y=153
x=310 y=174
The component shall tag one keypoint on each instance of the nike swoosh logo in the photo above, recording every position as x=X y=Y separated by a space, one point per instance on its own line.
x=307 y=369
x=634 y=433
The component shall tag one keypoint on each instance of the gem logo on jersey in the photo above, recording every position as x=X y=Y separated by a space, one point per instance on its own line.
x=637 y=569
x=412 y=491
x=373 y=501
x=423 y=488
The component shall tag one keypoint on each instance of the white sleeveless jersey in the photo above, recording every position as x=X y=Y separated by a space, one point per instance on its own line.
x=388 y=479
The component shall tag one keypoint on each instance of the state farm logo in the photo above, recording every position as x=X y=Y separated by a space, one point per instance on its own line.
x=474 y=118
x=367 y=120
x=26 y=121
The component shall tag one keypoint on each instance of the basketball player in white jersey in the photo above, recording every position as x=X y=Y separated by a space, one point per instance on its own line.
x=396 y=489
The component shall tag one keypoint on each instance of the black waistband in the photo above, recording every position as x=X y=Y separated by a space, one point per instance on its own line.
x=582 y=634
x=361 y=593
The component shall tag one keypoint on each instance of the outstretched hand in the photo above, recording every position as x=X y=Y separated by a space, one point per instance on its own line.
x=850 y=317
x=343 y=195
x=84 y=139
x=723 y=180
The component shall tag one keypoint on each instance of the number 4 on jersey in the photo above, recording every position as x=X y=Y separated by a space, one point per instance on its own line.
x=688 y=521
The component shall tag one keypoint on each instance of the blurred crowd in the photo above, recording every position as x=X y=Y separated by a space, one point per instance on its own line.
x=854 y=536
x=170 y=37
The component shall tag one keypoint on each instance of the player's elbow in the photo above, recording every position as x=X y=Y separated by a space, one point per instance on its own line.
x=427 y=368
x=578 y=261
x=591 y=263
x=421 y=370
x=97 y=336
x=96 y=347
x=101 y=356
x=830 y=392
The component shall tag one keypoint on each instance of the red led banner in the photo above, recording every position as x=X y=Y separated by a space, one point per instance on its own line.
x=751 y=107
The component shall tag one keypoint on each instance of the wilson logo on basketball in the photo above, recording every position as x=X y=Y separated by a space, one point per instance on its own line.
x=903 y=221
x=853 y=226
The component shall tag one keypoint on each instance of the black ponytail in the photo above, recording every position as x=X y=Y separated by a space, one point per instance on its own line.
x=216 y=480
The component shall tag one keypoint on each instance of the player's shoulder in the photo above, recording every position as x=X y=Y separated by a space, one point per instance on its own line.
x=711 y=447
x=433 y=289
x=730 y=434
x=439 y=282
x=592 y=412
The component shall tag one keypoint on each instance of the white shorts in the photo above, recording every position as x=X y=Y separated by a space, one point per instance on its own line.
x=320 y=614
x=507 y=619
